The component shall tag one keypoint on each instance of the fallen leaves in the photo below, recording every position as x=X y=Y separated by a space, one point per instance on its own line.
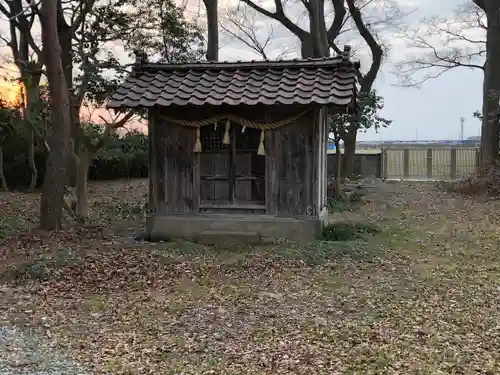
x=419 y=298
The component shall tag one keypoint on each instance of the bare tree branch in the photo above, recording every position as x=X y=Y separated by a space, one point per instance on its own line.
x=21 y=18
x=241 y=25
x=279 y=15
x=442 y=44
x=375 y=48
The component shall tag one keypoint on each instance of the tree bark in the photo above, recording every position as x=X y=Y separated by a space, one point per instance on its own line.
x=51 y=206
x=82 y=203
x=491 y=87
x=349 y=154
x=366 y=82
x=31 y=160
x=32 y=77
x=31 y=73
x=213 y=30
x=65 y=35
x=3 y=180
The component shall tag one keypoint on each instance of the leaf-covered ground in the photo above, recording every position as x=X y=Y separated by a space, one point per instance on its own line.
x=422 y=297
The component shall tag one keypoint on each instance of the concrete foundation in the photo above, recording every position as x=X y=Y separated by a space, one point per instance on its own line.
x=217 y=228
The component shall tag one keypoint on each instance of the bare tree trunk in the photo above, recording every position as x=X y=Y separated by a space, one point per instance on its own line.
x=3 y=180
x=64 y=32
x=31 y=73
x=349 y=154
x=491 y=87
x=367 y=81
x=31 y=160
x=213 y=30
x=318 y=28
x=51 y=206
x=82 y=203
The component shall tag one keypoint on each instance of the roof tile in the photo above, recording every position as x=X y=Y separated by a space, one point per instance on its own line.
x=321 y=81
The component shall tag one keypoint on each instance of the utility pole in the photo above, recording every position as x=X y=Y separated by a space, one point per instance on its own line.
x=462 y=121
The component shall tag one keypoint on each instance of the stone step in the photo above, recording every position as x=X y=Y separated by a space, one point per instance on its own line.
x=227 y=238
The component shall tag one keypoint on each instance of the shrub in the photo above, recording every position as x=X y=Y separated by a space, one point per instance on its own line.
x=348 y=231
x=122 y=158
x=484 y=181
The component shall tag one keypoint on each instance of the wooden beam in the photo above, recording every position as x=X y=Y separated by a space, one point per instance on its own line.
x=429 y=163
x=153 y=176
x=232 y=166
x=453 y=163
x=406 y=162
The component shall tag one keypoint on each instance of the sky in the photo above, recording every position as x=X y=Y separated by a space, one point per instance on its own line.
x=433 y=110
x=430 y=112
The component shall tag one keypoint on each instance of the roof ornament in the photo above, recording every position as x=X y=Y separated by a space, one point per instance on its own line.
x=141 y=58
x=346 y=55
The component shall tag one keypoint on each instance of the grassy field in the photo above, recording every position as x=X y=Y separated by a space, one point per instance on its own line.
x=421 y=297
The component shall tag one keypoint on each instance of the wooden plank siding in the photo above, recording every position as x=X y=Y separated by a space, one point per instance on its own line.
x=295 y=161
x=173 y=167
x=292 y=175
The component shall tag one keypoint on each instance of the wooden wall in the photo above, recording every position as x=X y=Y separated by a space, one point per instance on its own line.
x=294 y=165
x=173 y=168
x=294 y=171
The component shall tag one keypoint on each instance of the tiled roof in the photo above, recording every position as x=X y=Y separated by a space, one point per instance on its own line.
x=329 y=81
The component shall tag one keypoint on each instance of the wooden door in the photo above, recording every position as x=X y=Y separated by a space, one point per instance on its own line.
x=231 y=174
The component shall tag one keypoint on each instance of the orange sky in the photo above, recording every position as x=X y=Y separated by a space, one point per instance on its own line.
x=10 y=91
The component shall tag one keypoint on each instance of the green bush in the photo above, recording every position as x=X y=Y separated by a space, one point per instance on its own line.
x=125 y=157
x=16 y=168
x=121 y=158
x=348 y=231
x=113 y=165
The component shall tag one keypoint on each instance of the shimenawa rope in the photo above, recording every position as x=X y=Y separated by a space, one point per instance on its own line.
x=229 y=117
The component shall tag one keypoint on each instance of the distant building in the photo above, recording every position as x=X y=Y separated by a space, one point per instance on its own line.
x=476 y=138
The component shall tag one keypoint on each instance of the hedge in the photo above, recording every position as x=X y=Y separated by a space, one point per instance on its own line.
x=123 y=158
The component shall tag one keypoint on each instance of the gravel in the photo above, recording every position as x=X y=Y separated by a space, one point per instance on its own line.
x=25 y=352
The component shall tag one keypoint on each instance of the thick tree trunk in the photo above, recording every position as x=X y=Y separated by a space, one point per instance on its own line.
x=31 y=160
x=349 y=154
x=31 y=74
x=318 y=28
x=3 y=180
x=213 y=30
x=317 y=41
x=82 y=203
x=66 y=52
x=51 y=206
x=491 y=88
x=32 y=88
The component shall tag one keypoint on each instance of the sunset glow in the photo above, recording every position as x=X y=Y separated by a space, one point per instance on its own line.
x=11 y=92
x=10 y=89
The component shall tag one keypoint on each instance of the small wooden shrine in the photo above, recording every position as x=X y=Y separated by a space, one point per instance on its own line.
x=238 y=149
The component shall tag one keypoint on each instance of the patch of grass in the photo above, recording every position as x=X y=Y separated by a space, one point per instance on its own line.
x=315 y=253
x=348 y=231
x=339 y=204
x=95 y=303
x=125 y=210
x=112 y=365
x=9 y=224
x=320 y=252
x=41 y=268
